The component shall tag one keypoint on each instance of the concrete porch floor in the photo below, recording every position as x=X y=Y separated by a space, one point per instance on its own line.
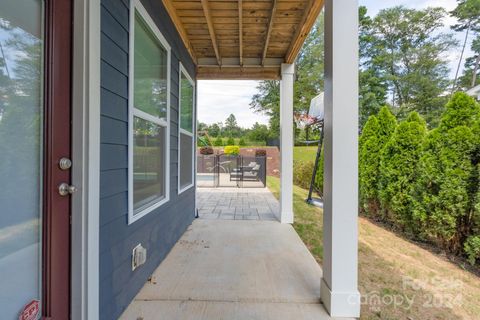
x=233 y=269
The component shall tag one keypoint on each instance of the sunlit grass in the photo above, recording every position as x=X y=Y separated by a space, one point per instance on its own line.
x=385 y=260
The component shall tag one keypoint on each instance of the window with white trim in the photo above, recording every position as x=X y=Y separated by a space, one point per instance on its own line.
x=186 y=140
x=149 y=112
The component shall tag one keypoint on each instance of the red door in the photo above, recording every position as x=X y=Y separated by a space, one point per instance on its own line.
x=35 y=134
x=57 y=155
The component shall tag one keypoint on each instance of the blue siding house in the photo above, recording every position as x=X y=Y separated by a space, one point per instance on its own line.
x=159 y=230
x=98 y=139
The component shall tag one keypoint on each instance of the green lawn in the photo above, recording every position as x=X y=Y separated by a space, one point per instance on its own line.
x=443 y=290
x=305 y=153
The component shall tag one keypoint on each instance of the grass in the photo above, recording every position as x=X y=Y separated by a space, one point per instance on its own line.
x=425 y=285
x=305 y=153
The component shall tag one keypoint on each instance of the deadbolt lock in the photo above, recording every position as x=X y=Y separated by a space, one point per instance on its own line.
x=65 y=163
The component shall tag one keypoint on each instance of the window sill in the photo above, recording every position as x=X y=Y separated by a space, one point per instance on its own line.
x=153 y=206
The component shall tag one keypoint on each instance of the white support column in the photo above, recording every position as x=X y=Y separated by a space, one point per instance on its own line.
x=286 y=143
x=339 y=291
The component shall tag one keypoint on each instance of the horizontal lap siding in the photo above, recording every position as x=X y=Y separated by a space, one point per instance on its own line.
x=159 y=230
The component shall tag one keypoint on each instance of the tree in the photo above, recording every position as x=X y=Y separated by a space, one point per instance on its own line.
x=242 y=142
x=230 y=141
x=258 y=132
x=467 y=14
x=410 y=55
x=372 y=86
x=369 y=151
x=471 y=72
x=376 y=133
x=218 y=142
x=267 y=101
x=215 y=129
x=310 y=68
x=202 y=126
x=447 y=183
x=398 y=171
x=471 y=246
x=309 y=81
x=231 y=126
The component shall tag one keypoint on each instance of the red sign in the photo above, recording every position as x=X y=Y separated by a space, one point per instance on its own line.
x=30 y=311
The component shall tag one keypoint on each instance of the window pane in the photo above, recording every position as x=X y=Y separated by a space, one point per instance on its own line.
x=186 y=104
x=186 y=160
x=150 y=71
x=148 y=163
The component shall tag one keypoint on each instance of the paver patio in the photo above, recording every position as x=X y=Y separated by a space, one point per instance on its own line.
x=237 y=204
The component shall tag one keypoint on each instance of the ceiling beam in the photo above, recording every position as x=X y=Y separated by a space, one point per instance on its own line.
x=269 y=31
x=172 y=12
x=308 y=20
x=247 y=61
x=240 y=30
x=211 y=30
x=238 y=73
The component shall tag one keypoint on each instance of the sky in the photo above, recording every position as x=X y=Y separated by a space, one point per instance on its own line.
x=218 y=99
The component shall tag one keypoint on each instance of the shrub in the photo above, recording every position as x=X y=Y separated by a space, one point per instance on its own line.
x=387 y=123
x=302 y=173
x=232 y=150
x=461 y=110
x=230 y=141
x=398 y=171
x=447 y=183
x=218 y=142
x=260 y=153
x=206 y=150
x=242 y=142
x=472 y=248
x=376 y=133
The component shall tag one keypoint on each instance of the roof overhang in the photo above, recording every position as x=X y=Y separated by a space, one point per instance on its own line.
x=243 y=39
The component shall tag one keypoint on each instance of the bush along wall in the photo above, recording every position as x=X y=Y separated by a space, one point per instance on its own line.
x=426 y=184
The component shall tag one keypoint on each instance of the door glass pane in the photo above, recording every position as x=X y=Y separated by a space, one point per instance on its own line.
x=21 y=112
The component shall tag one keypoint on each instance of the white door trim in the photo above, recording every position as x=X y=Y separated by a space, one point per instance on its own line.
x=86 y=161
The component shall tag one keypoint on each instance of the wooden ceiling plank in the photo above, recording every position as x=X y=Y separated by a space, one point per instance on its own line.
x=172 y=12
x=308 y=20
x=211 y=29
x=269 y=31
x=240 y=30
x=238 y=73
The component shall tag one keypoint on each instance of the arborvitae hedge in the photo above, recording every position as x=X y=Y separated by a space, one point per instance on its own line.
x=398 y=171
x=428 y=183
x=446 y=184
x=375 y=135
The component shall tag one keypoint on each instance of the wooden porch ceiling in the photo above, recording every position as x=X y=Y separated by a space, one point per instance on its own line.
x=243 y=39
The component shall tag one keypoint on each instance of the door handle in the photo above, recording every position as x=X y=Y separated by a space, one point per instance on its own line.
x=64 y=189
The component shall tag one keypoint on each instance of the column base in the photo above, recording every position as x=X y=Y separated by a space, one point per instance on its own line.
x=340 y=304
x=286 y=217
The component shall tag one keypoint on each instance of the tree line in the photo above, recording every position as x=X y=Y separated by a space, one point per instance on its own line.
x=224 y=133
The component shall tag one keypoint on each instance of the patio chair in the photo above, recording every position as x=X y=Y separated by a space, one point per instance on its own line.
x=246 y=173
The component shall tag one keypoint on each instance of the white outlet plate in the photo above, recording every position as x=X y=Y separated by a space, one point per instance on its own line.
x=139 y=256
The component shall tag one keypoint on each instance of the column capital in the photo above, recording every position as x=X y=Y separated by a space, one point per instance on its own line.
x=288 y=69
